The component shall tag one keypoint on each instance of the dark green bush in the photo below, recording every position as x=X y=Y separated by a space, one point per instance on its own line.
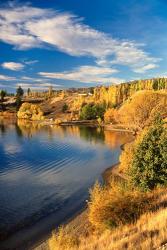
x=149 y=166
x=90 y=112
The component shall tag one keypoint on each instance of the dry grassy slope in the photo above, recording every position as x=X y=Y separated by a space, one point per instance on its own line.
x=149 y=232
x=53 y=107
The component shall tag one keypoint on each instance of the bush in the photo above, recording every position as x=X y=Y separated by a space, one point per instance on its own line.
x=63 y=239
x=99 y=111
x=90 y=112
x=126 y=157
x=110 y=115
x=140 y=107
x=64 y=108
x=2 y=95
x=30 y=111
x=161 y=109
x=19 y=91
x=18 y=102
x=115 y=205
x=149 y=166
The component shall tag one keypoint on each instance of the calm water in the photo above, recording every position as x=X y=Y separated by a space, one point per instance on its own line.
x=45 y=174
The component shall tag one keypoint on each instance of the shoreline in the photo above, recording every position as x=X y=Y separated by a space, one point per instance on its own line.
x=89 y=123
x=78 y=216
x=79 y=221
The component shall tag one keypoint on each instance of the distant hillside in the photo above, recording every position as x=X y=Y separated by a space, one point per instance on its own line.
x=117 y=94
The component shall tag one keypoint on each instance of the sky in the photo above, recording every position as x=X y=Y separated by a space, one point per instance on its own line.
x=81 y=43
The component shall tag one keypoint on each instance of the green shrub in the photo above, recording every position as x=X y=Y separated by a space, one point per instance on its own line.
x=149 y=166
x=64 y=108
x=90 y=112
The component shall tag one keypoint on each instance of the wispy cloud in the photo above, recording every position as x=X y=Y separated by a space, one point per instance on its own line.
x=13 y=66
x=145 y=68
x=33 y=86
x=26 y=27
x=30 y=62
x=30 y=79
x=86 y=74
x=7 y=78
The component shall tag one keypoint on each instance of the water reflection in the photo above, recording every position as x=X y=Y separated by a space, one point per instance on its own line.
x=46 y=171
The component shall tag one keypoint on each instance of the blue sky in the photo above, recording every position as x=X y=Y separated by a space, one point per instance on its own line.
x=69 y=43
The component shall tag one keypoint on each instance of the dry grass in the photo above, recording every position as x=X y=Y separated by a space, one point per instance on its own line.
x=147 y=233
x=116 y=205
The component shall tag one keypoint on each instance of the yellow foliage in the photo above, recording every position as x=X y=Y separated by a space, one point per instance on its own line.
x=63 y=239
x=115 y=205
x=126 y=157
x=128 y=151
x=77 y=103
x=146 y=233
x=110 y=115
x=138 y=110
x=30 y=111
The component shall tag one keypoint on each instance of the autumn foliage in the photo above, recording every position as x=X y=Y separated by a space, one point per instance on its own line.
x=110 y=116
x=30 y=111
x=142 y=108
x=115 y=205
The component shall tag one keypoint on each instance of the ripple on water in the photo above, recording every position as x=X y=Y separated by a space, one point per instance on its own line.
x=48 y=174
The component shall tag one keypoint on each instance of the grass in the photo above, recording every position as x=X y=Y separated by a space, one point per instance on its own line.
x=148 y=232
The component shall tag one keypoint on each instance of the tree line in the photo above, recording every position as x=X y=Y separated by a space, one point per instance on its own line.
x=116 y=94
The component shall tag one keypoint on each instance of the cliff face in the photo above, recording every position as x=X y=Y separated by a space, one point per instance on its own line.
x=117 y=94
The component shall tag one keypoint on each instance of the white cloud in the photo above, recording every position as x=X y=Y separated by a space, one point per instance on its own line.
x=31 y=79
x=39 y=86
x=145 y=68
x=31 y=62
x=86 y=74
x=13 y=66
x=12 y=20
x=7 y=78
x=27 y=27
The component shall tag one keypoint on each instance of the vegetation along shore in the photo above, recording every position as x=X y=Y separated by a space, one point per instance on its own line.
x=83 y=125
x=129 y=211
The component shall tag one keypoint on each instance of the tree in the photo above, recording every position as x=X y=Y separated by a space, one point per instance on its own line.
x=19 y=92
x=155 y=84
x=64 y=108
x=149 y=165
x=18 y=102
x=98 y=111
x=28 y=91
x=110 y=115
x=50 y=91
x=115 y=205
x=2 y=94
x=87 y=112
x=138 y=109
x=126 y=157
x=19 y=95
x=90 y=111
x=30 y=111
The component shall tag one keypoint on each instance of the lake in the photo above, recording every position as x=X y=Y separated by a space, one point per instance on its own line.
x=45 y=175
